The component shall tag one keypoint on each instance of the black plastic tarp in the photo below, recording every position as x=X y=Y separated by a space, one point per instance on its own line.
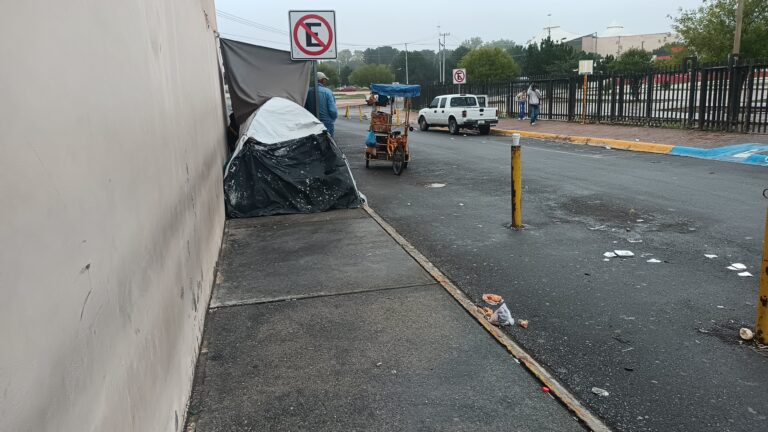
x=304 y=175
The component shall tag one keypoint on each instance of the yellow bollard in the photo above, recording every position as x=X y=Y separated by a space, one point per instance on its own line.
x=346 y=114
x=359 y=108
x=517 y=183
x=761 y=328
x=397 y=114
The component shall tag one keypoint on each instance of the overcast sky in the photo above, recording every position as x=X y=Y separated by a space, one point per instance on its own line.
x=362 y=24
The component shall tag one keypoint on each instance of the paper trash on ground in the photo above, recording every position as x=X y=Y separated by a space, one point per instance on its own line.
x=745 y=274
x=653 y=260
x=737 y=266
x=710 y=256
x=609 y=255
x=624 y=253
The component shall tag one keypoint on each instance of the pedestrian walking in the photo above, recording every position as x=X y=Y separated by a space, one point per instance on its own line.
x=327 y=112
x=534 y=99
x=521 y=98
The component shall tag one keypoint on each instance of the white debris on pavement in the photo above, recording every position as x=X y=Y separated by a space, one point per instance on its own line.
x=737 y=266
x=635 y=240
x=624 y=253
x=710 y=256
x=610 y=255
x=745 y=274
x=600 y=392
x=436 y=185
x=653 y=260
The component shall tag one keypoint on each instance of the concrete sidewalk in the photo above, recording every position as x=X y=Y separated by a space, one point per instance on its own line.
x=324 y=322
x=672 y=137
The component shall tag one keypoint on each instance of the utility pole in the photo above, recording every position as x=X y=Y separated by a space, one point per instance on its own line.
x=406 y=64
x=737 y=34
x=442 y=73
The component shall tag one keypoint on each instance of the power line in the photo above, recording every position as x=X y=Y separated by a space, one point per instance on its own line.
x=284 y=43
x=247 y=22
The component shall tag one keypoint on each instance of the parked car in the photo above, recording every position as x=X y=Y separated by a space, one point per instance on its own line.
x=459 y=111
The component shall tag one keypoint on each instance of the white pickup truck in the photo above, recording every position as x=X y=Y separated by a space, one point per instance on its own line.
x=459 y=111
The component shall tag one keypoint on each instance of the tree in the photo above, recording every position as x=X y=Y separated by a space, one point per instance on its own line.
x=380 y=55
x=455 y=56
x=330 y=70
x=344 y=57
x=420 y=70
x=550 y=58
x=487 y=63
x=633 y=63
x=473 y=43
x=371 y=74
x=708 y=30
x=346 y=71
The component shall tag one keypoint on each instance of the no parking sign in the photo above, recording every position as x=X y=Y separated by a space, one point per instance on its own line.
x=313 y=34
x=459 y=76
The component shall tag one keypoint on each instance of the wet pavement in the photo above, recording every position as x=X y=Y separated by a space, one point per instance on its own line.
x=661 y=338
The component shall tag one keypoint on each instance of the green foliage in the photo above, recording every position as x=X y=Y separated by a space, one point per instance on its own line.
x=379 y=55
x=454 y=57
x=331 y=71
x=420 y=69
x=473 y=43
x=709 y=29
x=551 y=58
x=632 y=61
x=371 y=74
x=488 y=63
x=346 y=71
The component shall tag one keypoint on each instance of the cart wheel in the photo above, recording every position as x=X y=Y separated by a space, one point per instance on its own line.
x=398 y=159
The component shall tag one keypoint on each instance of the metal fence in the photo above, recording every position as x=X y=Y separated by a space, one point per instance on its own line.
x=706 y=97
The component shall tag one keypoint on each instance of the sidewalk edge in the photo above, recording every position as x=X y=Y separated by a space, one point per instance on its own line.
x=638 y=146
x=569 y=400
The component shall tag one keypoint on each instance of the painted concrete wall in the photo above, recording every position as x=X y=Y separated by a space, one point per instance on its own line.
x=111 y=210
x=614 y=45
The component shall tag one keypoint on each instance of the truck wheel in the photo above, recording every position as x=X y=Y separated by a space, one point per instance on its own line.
x=485 y=130
x=423 y=126
x=453 y=127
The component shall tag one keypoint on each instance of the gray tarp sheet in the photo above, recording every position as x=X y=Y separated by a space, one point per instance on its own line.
x=255 y=74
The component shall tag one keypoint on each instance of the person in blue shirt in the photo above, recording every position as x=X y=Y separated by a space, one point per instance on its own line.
x=327 y=112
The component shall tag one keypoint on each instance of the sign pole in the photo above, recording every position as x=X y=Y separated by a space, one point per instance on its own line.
x=314 y=80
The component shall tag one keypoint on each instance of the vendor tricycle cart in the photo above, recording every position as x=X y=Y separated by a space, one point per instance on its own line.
x=388 y=139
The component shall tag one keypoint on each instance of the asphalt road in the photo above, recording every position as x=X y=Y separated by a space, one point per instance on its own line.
x=661 y=338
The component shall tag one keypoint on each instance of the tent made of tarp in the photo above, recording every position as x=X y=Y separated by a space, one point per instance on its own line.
x=285 y=162
x=255 y=74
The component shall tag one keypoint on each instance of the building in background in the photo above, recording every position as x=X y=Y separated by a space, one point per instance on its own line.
x=613 y=41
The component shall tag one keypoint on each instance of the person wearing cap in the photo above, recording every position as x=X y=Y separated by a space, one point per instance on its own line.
x=327 y=112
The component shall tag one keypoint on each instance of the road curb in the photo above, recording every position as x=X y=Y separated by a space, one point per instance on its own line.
x=637 y=146
x=558 y=390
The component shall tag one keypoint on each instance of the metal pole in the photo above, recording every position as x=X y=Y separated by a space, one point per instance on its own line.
x=737 y=34
x=761 y=327
x=517 y=183
x=584 y=102
x=406 y=64
x=314 y=79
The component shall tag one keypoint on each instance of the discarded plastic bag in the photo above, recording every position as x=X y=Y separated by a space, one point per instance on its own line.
x=502 y=316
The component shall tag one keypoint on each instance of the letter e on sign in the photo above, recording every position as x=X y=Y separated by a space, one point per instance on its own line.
x=313 y=35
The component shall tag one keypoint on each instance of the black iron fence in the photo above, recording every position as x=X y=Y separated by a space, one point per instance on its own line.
x=706 y=97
